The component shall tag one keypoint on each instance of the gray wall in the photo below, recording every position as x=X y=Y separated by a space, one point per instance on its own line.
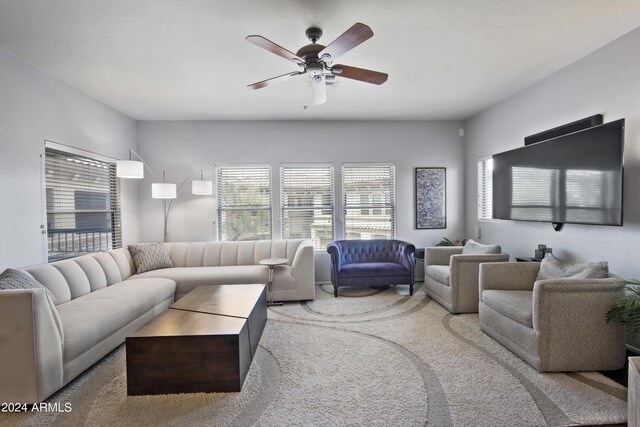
x=181 y=147
x=607 y=82
x=35 y=107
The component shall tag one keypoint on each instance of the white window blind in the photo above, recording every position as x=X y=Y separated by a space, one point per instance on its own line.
x=368 y=193
x=485 y=188
x=306 y=195
x=83 y=205
x=244 y=202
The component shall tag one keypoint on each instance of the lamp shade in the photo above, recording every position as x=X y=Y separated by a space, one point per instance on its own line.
x=163 y=190
x=318 y=90
x=202 y=188
x=129 y=169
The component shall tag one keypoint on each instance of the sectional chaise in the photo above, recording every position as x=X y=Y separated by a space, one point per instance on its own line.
x=98 y=299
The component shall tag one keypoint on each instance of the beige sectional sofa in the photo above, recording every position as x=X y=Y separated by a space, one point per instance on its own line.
x=100 y=300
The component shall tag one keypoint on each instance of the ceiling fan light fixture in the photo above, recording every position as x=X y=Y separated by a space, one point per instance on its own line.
x=318 y=90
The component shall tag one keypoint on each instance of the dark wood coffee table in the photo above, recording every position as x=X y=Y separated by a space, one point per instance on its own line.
x=204 y=342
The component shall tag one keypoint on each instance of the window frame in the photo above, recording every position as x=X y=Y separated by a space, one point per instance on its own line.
x=484 y=176
x=322 y=207
x=50 y=186
x=370 y=207
x=220 y=209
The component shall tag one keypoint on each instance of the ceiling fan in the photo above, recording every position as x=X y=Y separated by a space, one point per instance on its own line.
x=316 y=60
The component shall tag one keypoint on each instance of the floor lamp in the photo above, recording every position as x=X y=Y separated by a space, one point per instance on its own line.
x=165 y=191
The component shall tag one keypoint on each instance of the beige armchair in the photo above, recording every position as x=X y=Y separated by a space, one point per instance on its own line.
x=554 y=325
x=451 y=277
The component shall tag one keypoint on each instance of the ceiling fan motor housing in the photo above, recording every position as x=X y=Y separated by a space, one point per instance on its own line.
x=310 y=51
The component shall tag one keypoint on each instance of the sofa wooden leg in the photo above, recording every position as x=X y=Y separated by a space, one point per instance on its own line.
x=335 y=291
x=410 y=290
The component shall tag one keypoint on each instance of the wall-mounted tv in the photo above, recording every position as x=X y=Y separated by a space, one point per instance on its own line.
x=574 y=178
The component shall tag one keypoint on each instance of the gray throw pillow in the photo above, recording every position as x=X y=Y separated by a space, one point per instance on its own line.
x=554 y=268
x=18 y=279
x=150 y=256
x=475 y=248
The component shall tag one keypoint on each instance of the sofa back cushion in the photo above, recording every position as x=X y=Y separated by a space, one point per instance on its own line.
x=75 y=277
x=475 y=248
x=109 y=267
x=94 y=272
x=214 y=254
x=124 y=261
x=375 y=250
x=72 y=278
x=53 y=280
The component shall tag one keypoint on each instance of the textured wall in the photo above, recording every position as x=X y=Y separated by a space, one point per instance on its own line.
x=36 y=107
x=179 y=147
x=607 y=82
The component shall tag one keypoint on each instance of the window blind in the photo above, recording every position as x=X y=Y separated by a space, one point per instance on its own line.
x=83 y=205
x=244 y=202
x=485 y=188
x=368 y=193
x=306 y=196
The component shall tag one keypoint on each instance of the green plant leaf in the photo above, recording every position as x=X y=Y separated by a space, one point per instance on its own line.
x=626 y=309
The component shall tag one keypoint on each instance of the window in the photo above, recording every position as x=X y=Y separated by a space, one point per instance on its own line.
x=368 y=193
x=244 y=202
x=83 y=204
x=306 y=196
x=485 y=188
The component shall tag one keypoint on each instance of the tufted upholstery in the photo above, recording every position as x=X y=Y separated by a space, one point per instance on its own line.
x=72 y=278
x=215 y=263
x=219 y=254
x=362 y=263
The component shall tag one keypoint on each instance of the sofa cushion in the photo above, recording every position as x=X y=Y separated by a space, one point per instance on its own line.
x=18 y=279
x=439 y=273
x=150 y=256
x=554 y=268
x=189 y=278
x=517 y=305
x=89 y=320
x=109 y=266
x=93 y=270
x=373 y=269
x=475 y=248
x=75 y=277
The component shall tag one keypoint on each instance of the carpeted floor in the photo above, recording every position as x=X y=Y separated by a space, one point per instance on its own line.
x=367 y=358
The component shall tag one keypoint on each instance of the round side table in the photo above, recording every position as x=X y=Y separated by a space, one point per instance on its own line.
x=272 y=262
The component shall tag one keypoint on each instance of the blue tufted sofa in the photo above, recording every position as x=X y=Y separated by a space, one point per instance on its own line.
x=360 y=263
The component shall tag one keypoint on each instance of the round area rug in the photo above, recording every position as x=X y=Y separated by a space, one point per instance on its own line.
x=368 y=357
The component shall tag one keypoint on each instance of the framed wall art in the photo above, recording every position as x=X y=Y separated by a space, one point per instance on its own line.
x=431 y=198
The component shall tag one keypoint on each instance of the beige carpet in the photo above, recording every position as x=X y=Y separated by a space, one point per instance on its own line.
x=370 y=358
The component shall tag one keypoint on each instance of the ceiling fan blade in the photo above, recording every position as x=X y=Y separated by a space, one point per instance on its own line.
x=274 y=48
x=367 y=76
x=351 y=38
x=273 y=80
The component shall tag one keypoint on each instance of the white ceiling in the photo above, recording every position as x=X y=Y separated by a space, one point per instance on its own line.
x=188 y=60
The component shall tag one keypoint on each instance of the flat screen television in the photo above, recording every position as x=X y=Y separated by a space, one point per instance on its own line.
x=574 y=178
